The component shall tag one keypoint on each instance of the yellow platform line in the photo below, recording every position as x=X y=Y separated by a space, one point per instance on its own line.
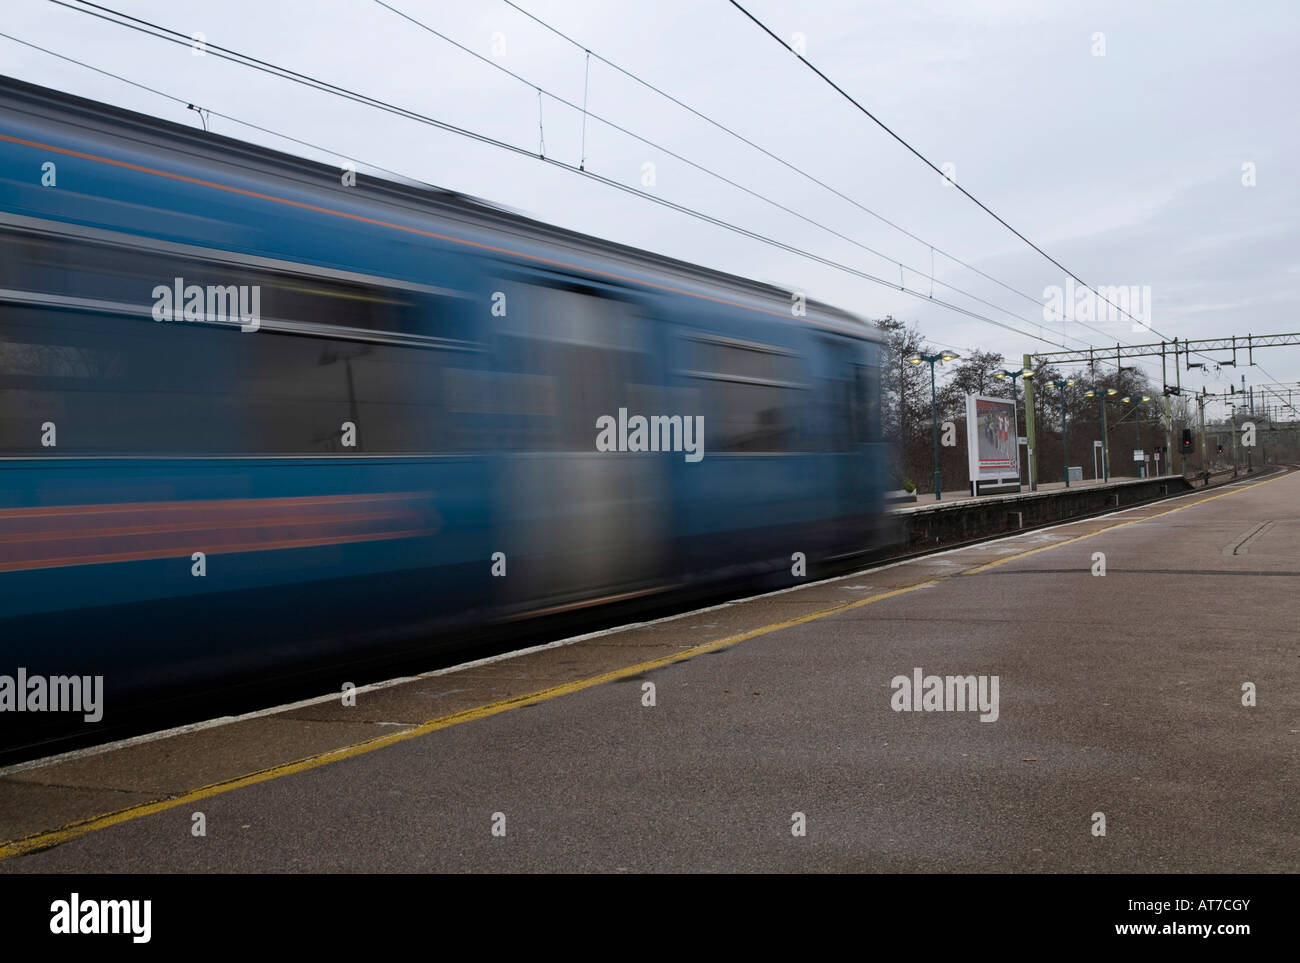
x=54 y=837
x=46 y=839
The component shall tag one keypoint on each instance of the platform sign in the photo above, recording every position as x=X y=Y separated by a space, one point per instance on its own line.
x=991 y=442
x=1138 y=455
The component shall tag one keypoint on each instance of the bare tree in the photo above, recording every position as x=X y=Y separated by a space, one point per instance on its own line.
x=905 y=390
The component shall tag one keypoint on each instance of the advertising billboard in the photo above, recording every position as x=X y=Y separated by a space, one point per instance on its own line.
x=991 y=443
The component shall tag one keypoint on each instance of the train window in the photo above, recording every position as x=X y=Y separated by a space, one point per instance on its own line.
x=69 y=267
x=79 y=348
x=735 y=361
x=751 y=395
x=115 y=387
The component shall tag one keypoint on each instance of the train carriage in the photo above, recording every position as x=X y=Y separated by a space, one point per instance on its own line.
x=253 y=420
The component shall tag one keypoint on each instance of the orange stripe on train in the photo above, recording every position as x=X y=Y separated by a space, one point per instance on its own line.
x=58 y=536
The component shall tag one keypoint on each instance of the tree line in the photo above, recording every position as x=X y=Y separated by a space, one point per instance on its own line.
x=906 y=414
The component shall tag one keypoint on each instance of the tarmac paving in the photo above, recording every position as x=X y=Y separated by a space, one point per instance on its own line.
x=1146 y=720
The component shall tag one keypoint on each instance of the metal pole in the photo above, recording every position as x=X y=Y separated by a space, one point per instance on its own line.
x=1204 y=454
x=1029 y=424
x=1065 y=444
x=1169 y=416
x=1015 y=431
x=934 y=426
x=1105 y=444
x=1178 y=376
x=1235 y=469
x=1137 y=416
x=1169 y=435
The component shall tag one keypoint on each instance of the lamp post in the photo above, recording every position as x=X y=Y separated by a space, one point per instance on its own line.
x=920 y=358
x=1233 y=408
x=1103 y=394
x=1137 y=415
x=1170 y=391
x=1065 y=446
x=1013 y=375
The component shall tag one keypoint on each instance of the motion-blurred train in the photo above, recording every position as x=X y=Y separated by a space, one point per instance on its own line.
x=254 y=418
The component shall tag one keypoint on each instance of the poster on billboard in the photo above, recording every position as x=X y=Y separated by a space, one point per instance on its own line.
x=992 y=444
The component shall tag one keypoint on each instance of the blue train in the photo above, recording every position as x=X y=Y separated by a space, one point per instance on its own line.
x=254 y=418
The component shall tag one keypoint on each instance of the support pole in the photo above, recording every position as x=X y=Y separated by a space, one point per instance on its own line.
x=1235 y=469
x=1204 y=451
x=1065 y=440
x=1169 y=436
x=934 y=430
x=1178 y=374
x=1029 y=425
x=1105 y=442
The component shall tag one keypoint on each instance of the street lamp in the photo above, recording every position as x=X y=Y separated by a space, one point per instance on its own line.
x=1103 y=394
x=1137 y=418
x=934 y=407
x=1065 y=446
x=1013 y=375
x=1234 y=437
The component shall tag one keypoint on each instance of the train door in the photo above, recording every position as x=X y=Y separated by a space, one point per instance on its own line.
x=580 y=523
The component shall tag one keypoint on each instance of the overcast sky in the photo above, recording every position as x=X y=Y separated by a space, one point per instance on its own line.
x=1126 y=167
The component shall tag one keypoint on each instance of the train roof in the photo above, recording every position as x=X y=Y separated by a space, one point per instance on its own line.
x=109 y=120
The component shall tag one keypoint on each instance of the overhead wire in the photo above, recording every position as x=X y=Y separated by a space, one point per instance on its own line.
x=883 y=126
x=702 y=168
x=217 y=113
x=160 y=32
x=768 y=153
x=163 y=33
x=589 y=54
